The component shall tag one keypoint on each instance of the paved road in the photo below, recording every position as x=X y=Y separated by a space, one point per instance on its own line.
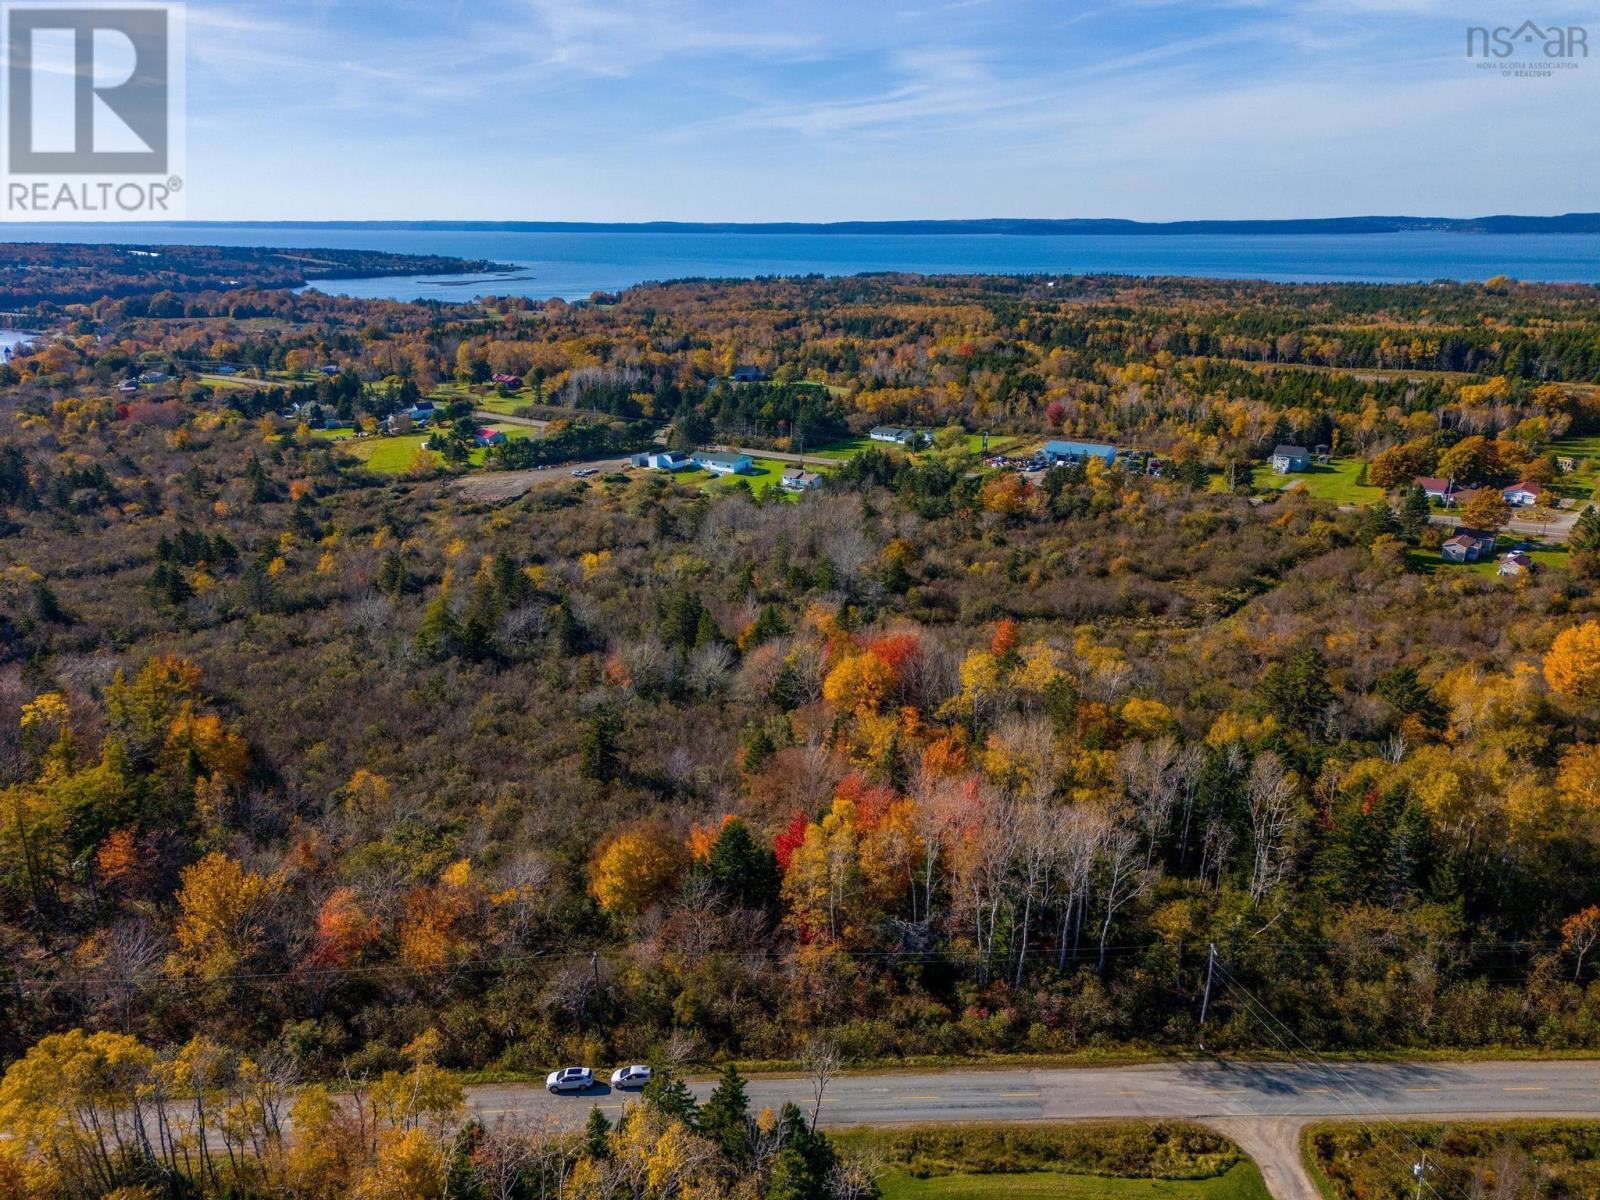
x=1263 y=1106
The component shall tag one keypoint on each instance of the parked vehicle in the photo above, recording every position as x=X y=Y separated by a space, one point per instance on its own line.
x=635 y=1076
x=569 y=1079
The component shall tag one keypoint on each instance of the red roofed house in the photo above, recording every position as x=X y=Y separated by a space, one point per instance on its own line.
x=1521 y=495
x=1442 y=490
x=1467 y=546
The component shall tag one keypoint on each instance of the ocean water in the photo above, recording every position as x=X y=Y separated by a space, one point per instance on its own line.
x=573 y=265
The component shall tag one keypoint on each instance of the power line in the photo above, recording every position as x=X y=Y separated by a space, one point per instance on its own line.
x=1277 y=1029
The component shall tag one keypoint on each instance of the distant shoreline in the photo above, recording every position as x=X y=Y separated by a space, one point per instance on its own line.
x=1566 y=223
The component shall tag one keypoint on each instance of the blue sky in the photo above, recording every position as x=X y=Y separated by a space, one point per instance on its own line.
x=874 y=109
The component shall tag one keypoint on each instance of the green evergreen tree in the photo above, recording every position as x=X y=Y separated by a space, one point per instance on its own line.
x=258 y=485
x=598 y=759
x=1586 y=531
x=1413 y=514
x=437 y=634
x=565 y=633
x=392 y=574
x=1297 y=690
x=595 y=1131
x=803 y=1166
x=725 y=1118
x=743 y=869
x=670 y=1096
x=1377 y=520
x=680 y=619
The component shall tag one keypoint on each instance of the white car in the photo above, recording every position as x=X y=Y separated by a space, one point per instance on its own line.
x=635 y=1076
x=570 y=1079
x=585 y=472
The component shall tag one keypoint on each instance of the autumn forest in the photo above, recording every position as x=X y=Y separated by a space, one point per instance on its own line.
x=321 y=760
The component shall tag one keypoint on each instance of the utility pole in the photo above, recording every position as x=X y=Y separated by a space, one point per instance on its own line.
x=1205 y=1003
x=1420 y=1171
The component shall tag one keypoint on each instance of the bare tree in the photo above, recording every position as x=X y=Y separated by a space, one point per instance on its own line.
x=820 y=1061
x=1273 y=810
x=1083 y=831
x=855 y=1177
x=1151 y=775
x=1037 y=843
x=1125 y=880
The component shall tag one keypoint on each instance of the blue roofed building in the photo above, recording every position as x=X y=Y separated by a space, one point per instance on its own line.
x=1076 y=452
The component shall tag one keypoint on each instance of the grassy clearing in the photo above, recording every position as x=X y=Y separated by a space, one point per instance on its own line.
x=1242 y=1182
x=971 y=443
x=1335 y=482
x=1583 y=483
x=394 y=455
x=1136 y=1160
x=231 y=383
x=848 y=448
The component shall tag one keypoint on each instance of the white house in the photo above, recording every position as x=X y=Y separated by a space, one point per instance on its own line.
x=798 y=479
x=1288 y=459
x=1515 y=563
x=1523 y=495
x=719 y=463
x=662 y=460
x=891 y=433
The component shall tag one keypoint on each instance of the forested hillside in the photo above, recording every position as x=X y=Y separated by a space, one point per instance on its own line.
x=313 y=761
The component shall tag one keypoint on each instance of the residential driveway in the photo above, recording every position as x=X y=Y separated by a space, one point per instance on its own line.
x=496 y=487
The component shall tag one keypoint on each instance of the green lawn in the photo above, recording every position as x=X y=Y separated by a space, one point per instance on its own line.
x=766 y=475
x=846 y=449
x=1582 y=483
x=972 y=443
x=1243 y=1182
x=229 y=382
x=1545 y=558
x=1335 y=482
x=393 y=455
x=506 y=405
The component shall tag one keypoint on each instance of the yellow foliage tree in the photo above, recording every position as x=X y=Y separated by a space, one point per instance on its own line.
x=1578 y=778
x=859 y=683
x=221 y=910
x=634 y=868
x=1572 y=666
x=410 y=1166
x=824 y=880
